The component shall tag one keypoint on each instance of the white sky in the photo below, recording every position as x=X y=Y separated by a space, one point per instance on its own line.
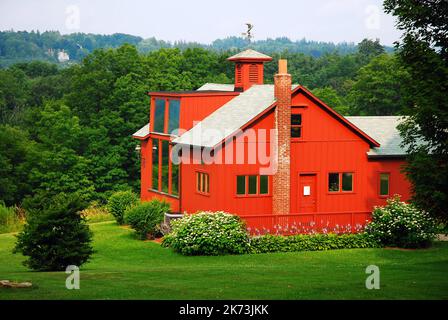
x=205 y=20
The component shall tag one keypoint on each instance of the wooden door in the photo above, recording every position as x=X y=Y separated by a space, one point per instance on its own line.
x=307 y=196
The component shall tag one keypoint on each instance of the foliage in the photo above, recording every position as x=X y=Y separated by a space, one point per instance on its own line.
x=11 y=218
x=401 y=224
x=96 y=213
x=119 y=202
x=332 y=99
x=311 y=242
x=423 y=51
x=378 y=88
x=146 y=217
x=56 y=237
x=208 y=233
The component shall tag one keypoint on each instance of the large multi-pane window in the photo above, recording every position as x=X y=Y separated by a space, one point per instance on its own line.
x=162 y=165
x=252 y=185
x=159 y=116
x=173 y=117
x=340 y=181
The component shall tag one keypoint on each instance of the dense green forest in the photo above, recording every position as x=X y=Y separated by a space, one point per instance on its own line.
x=26 y=46
x=69 y=129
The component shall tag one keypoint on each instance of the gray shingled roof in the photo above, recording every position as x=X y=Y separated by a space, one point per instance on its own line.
x=230 y=117
x=249 y=54
x=384 y=130
x=217 y=87
x=142 y=132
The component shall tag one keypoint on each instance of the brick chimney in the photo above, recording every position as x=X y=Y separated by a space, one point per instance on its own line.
x=281 y=179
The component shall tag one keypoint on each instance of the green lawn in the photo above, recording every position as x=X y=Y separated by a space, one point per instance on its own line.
x=126 y=268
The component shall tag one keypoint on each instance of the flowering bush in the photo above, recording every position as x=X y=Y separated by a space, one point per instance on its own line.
x=401 y=224
x=311 y=242
x=208 y=233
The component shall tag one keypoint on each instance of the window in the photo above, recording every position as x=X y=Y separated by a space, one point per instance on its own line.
x=347 y=181
x=333 y=182
x=165 y=165
x=202 y=182
x=155 y=164
x=252 y=185
x=338 y=181
x=241 y=185
x=384 y=184
x=296 y=125
x=173 y=119
x=175 y=173
x=159 y=116
x=264 y=188
x=161 y=165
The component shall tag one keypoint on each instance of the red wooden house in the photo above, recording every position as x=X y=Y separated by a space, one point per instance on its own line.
x=273 y=154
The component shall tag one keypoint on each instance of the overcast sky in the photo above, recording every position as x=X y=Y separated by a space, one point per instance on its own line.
x=205 y=20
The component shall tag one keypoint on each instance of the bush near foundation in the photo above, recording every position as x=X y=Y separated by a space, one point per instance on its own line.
x=311 y=242
x=146 y=217
x=208 y=233
x=402 y=224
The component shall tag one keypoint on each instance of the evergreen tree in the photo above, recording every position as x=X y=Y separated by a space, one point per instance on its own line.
x=56 y=237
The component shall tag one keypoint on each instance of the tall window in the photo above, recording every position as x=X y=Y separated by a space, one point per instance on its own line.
x=296 y=125
x=174 y=174
x=155 y=164
x=159 y=116
x=161 y=179
x=173 y=119
x=252 y=185
x=165 y=165
x=340 y=181
x=384 y=184
x=202 y=182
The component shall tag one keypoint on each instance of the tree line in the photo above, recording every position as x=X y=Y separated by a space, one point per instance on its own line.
x=20 y=46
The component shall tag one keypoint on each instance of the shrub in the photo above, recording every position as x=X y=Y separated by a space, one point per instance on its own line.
x=146 y=217
x=311 y=242
x=56 y=237
x=208 y=233
x=119 y=202
x=401 y=224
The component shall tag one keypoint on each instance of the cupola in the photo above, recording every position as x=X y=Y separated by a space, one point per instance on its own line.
x=248 y=68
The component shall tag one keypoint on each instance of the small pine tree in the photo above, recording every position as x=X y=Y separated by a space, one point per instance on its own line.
x=56 y=237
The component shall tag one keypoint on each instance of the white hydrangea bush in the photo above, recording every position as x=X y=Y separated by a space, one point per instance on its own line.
x=208 y=233
x=402 y=224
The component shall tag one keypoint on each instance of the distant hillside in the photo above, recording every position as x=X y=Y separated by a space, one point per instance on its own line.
x=52 y=46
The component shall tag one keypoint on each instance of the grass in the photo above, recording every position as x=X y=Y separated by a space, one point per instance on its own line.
x=126 y=268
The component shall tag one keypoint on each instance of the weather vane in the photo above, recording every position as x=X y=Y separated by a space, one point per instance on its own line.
x=248 y=34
